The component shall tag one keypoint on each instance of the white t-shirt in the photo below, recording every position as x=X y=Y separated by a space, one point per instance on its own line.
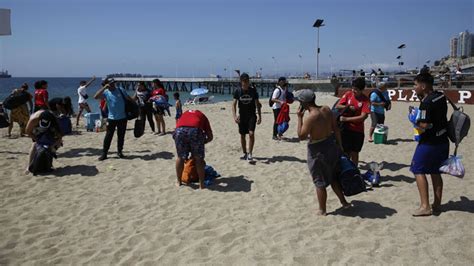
x=280 y=94
x=81 y=91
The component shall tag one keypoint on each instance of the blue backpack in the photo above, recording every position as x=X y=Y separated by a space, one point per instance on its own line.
x=351 y=181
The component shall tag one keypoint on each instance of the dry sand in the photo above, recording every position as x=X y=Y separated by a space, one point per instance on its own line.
x=129 y=211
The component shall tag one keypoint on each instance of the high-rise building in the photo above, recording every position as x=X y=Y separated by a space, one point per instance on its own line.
x=465 y=44
x=472 y=45
x=454 y=47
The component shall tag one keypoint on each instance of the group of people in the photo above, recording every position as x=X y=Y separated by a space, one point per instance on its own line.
x=329 y=136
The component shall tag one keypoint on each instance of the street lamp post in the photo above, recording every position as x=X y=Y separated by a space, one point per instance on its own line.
x=251 y=66
x=318 y=24
x=331 y=63
x=276 y=65
x=400 y=57
x=301 y=61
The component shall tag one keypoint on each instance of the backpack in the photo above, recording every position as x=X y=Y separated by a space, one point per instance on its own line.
x=4 y=121
x=14 y=100
x=42 y=161
x=351 y=181
x=458 y=125
x=270 y=102
x=189 y=174
x=388 y=103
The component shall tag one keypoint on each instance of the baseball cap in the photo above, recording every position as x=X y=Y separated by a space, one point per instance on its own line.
x=305 y=95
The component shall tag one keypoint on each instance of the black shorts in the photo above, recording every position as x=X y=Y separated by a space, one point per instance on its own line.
x=247 y=124
x=376 y=119
x=352 y=141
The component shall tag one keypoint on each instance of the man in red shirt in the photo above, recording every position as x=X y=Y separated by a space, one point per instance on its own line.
x=192 y=132
x=41 y=95
x=356 y=108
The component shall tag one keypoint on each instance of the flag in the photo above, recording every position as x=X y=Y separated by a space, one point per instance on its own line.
x=5 y=28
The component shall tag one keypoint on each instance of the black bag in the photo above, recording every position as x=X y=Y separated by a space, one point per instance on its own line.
x=131 y=108
x=458 y=125
x=270 y=102
x=3 y=121
x=351 y=181
x=139 y=128
x=42 y=161
x=388 y=103
x=85 y=96
x=14 y=100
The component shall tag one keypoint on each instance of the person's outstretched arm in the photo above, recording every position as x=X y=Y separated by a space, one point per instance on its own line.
x=99 y=94
x=90 y=82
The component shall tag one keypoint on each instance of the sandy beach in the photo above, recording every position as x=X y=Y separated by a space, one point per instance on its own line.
x=129 y=211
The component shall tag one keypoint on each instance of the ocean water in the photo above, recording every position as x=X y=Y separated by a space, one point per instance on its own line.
x=62 y=87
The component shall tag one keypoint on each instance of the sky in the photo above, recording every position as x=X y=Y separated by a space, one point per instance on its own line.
x=196 y=38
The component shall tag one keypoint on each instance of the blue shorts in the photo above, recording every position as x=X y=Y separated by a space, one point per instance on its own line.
x=189 y=140
x=428 y=158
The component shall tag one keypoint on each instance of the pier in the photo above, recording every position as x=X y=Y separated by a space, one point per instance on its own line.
x=226 y=86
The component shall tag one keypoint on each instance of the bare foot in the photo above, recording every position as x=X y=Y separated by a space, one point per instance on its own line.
x=178 y=184
x=421 y=212
x=27 y=172
x=321 y=213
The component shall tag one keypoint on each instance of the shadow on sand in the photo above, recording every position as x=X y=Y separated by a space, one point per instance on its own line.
x=83 y=170
x=79 y=152
x=362 y=209
x=463 y=205
x=276 y=159
x=396 y=141
x=149 y=157
x=228 y=184
x=386 y=165
x=399 y=178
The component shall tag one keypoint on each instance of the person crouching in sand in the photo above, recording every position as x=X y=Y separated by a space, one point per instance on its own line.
x=324 y=152
x=192 y=132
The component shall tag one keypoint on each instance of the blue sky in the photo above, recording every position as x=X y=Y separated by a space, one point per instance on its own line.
x=70 y=38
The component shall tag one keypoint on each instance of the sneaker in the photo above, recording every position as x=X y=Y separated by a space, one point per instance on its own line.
x=103 y=157
x=120 y=155
x=244 y=157
x=249 y=157
x=275 y=138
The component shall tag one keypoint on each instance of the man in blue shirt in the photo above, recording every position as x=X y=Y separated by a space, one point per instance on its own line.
x=117 y=118
x=379 y=101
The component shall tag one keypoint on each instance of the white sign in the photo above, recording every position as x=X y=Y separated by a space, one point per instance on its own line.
x=5 y=27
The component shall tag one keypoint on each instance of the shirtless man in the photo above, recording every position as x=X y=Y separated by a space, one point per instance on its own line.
x=323 y=151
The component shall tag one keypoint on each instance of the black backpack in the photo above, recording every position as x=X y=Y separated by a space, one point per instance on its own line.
x=15 y=99
x=458 y=125
x=42 y=161
x=270 y=102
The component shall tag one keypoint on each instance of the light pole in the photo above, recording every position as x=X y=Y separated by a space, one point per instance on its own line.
x=331 y=63
x=276 y=65
x=400 y=63
x=251 y=65
x=318 y=24
x=230 y=68
x=301 y=61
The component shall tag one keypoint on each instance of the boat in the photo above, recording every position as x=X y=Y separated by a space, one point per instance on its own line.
x=4 y=74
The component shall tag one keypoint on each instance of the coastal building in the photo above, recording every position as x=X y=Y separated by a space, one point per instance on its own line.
x=465 y=44
x=453 y=47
